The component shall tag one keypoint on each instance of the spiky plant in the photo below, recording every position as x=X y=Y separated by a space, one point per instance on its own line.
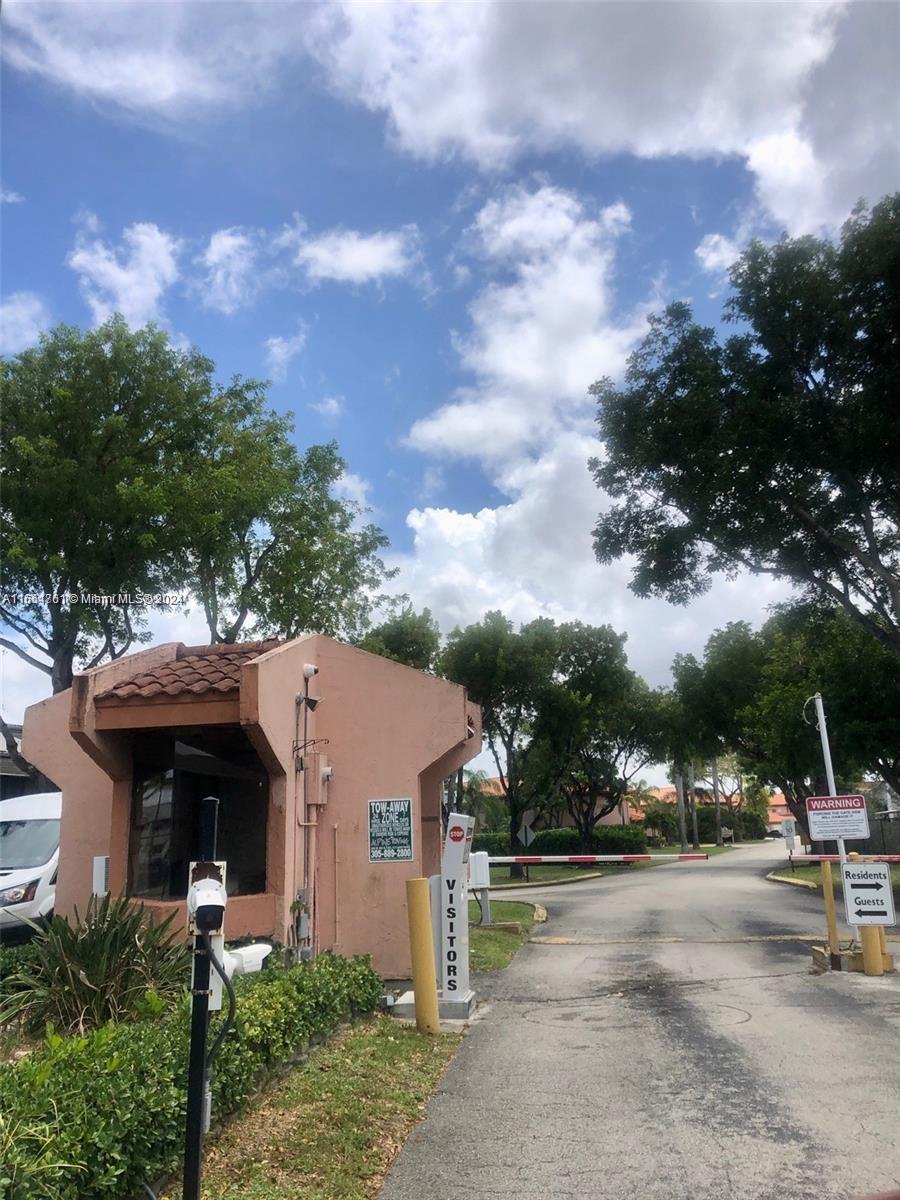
x=113 y=964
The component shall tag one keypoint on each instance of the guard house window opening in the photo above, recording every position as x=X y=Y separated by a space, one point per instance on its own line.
x=173 y=771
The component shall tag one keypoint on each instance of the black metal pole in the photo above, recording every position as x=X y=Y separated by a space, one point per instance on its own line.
x=193 y=1132
x=193 y=1139
x=209 y=821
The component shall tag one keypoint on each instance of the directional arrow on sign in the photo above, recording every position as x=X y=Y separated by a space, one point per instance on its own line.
x=860 y=880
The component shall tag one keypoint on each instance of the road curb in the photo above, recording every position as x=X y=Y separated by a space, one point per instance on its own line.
x=803 y=883
x=517 y=887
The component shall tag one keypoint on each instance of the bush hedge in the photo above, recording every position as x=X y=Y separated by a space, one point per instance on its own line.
x=619 y=839
x=606 y=839
x=744 y=824
x=493 y=843
x=94 y=1116
x=555 y=841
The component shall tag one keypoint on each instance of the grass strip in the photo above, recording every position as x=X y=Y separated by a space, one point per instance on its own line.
x=494 y=949
x=330 y=1129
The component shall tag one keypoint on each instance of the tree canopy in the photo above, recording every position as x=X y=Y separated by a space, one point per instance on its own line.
x=129 y=473
x=567 y=721
x=778 y=448
x=749 y=691
x=509 y=674
x=407 y=637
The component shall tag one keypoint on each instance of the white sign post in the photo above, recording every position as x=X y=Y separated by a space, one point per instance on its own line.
x=789 y=832
x=449 y=894
x=456 y=999
x=868 y=894
x=837 y=818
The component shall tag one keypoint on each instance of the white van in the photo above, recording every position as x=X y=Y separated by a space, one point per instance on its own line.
x=29 y=854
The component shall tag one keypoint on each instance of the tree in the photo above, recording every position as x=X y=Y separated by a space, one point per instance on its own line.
x=816 y=648
x=408 y=637
x=759 y=722
x=129 y=474
x=509 y=674
x=481 y=802
x=96 y=427
x=751 y=688
x=608 y=726
x=778 y=449
x=271 y=545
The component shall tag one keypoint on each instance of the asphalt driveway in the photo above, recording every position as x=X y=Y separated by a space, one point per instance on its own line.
x=667 y=1041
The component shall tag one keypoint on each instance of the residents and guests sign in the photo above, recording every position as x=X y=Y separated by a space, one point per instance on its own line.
x=837 y=817
x=390 y=831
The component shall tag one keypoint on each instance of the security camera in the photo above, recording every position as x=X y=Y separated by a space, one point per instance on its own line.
x=206 y=905
x=310 y=669
x=247 y=960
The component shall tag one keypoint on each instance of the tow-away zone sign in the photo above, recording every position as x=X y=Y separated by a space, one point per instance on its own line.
x=833 y=817
x=868 y=895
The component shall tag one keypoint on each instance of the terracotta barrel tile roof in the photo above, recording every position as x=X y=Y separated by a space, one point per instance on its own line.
x=195 y=671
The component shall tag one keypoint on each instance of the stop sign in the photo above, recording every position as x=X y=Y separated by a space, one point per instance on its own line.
x=457 y=833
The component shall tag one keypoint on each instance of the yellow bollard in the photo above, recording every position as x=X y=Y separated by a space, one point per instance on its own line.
x=882 y=937
x=834 y=948
x=873 y=963
x=418 y=905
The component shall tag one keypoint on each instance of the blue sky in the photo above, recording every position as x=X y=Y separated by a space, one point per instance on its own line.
x=432 y=227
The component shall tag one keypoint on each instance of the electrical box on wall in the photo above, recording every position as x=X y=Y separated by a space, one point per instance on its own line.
x=100 y=875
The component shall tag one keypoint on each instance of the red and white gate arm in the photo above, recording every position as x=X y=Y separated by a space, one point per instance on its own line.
x=534 y=860
x=800 y=859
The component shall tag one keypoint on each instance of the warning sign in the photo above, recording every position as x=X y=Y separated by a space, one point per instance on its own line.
x=390 y=831
x=832 y=817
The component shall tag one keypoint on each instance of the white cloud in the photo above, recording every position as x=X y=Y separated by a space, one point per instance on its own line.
x=330 y=407
x=790 y=88
x=22 y=317
x=131 y=278
x=542 y=328
x=716 y=252
x=704 y=79
x=167 y=60
x=348 y=256
x=532 y=556
x=8 y=196
x=354 y=488
x=231 y=275
x=281 y=350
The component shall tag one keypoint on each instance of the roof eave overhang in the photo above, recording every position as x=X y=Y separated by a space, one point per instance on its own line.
x=165 y=711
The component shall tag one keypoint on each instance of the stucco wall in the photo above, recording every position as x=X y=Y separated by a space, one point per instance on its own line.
x=87 y=796
x=391 y=732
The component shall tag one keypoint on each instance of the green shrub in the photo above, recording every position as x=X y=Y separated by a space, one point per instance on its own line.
x=12 y=960
x=113 y=965
x=97 y=1114
x=619 y=839
x=556 y=841
x=493 y=843
x=661 y=820
x=752 y=825
x=605 y=839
